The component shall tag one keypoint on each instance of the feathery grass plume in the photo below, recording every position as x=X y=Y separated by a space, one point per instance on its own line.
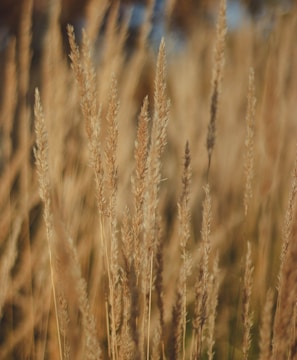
x=288 y=221
x=127 y=247
x=125 y=343
x=247 y=320
x=85 y=78
x=7 y=262
x=202 y=280
x=41 y=160
x=86 y=81
x=216 y=78
x=151 y=201
x=135 y=311
x=77 y=68
x=205 y=232
x=155 y=355
x=55 y=98
x=89 y=77
x=8 y=102
x=266 y=328
x=130 y=333
x=249 y=142
x=293 y=338
x=92 y=349
x=128 y=341
x=184 y=235
x=97 y=165
x=176 y=329
x=110 y=152
x=183 y=205
x=64 y=322
x=159 y=287
x=287 y=289
x=138 y=180
x=214 y=285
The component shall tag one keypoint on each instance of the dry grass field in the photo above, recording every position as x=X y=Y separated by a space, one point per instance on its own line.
x=148 y=201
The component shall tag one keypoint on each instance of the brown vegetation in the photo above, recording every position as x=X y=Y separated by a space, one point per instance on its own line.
x=154 y=228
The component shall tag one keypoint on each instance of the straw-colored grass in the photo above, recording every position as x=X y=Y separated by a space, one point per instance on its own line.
x=148 y=209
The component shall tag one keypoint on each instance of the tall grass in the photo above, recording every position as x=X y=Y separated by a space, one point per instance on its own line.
x=148 y=202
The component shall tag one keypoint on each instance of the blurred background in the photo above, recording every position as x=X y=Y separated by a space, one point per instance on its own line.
x=175 y=19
